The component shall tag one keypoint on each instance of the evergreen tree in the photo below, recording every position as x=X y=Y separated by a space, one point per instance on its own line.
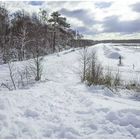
x=57 y=21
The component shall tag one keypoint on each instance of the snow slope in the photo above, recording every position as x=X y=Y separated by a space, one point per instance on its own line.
x=108 y=56
x=62 y=107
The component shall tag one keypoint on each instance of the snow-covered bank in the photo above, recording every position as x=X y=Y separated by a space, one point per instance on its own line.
x=62 y=107
x=108 y=55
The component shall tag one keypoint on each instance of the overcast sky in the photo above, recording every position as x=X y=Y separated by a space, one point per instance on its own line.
x=96 y=19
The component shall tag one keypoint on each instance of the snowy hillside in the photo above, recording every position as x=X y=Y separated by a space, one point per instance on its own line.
x=130 y=70
x=60 y=106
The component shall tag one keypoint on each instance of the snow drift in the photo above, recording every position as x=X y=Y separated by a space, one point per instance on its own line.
x=62 y=107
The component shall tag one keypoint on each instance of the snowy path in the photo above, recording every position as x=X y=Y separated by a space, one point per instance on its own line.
x=62 y=107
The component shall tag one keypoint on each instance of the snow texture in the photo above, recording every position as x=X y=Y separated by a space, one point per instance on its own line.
x=62 y=107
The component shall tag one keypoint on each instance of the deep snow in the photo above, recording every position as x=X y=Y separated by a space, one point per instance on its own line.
x=108 y=56
x=62 y=107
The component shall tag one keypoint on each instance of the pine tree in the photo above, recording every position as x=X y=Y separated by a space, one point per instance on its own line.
x=57 y=21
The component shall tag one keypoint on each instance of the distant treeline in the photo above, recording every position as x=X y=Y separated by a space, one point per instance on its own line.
x=88 y=42
x=118 y=41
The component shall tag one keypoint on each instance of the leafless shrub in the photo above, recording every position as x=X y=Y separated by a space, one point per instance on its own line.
x=24 y=77
x=12 y=74
x=6 y=85
x=108 y=78
x=133 y=85
x=84 y=63
x=20 y=77
x=92 y=72
x=28 y=76
x=36 y=68
x=117 y=80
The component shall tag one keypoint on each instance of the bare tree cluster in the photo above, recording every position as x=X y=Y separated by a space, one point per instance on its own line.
x=21 y=33
x=91 y=71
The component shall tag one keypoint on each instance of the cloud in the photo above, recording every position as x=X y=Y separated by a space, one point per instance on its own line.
x=136 y=7
x=91 y=18
x=36 y=3
x=56 y=4
x=103 y=4
x=86 y=30
x=113 y=24
x=79 y=14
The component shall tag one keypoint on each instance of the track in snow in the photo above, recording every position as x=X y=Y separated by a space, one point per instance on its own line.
x=63 y=107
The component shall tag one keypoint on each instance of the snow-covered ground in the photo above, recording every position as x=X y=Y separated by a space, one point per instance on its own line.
x=62 y=107
x=108 y=54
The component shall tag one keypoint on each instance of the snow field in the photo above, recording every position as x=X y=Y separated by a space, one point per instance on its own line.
x=130 y=69
x=62 y=107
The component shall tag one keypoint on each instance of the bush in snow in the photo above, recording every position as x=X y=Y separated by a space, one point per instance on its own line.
x=91 y=71
x=117 y=80
x=19 y=77
x=108 y=78
x=94 y=73
x=84 y=63
x=133 y=85
x=36 y=68
x=12 y=74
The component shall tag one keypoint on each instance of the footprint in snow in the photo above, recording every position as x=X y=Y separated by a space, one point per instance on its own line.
x=31 y=113
x=2 y=117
